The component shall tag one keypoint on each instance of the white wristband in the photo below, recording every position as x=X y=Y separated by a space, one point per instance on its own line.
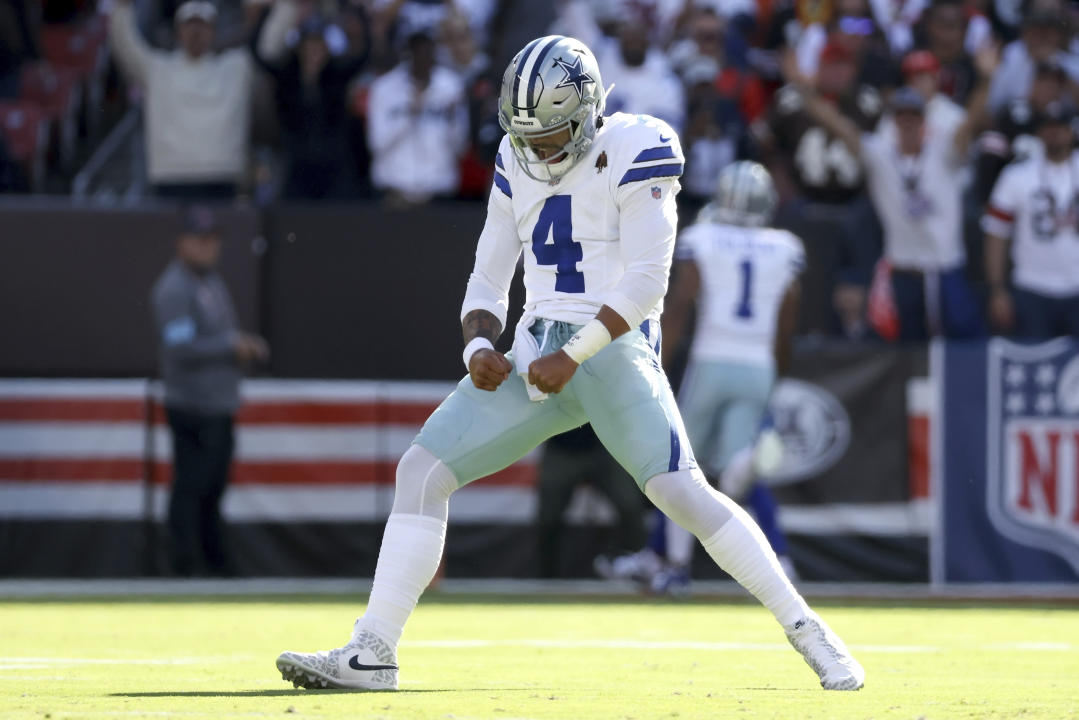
x=587 y=341
x=476 y=343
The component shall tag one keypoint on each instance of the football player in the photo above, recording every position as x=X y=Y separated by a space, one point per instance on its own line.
x=742 y=276
x=590 y=202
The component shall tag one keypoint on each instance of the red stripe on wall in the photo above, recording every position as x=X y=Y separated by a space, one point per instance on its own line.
x=316 y=413
x=72 y=410
x=244 y=473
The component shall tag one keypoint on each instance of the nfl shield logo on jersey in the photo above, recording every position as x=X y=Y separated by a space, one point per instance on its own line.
x=656 y=192
x=1032 y=482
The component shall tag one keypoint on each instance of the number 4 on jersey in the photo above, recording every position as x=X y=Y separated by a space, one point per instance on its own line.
x=555 y=221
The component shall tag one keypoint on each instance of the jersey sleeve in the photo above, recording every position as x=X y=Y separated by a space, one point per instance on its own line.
x=650 y=161
x=497 y=250
x=1003 y=204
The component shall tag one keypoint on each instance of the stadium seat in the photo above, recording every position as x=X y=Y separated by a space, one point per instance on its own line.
x=58 y=93
x=26 y=129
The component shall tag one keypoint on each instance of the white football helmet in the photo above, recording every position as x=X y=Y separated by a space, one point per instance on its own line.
x=551 y=86
x=745 y=195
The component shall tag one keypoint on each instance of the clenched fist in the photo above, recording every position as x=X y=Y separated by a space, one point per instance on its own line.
x=550 y=373
x=488 y=369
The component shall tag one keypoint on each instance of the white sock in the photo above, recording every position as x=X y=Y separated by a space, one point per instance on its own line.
x=740 y=548
x=410 y=553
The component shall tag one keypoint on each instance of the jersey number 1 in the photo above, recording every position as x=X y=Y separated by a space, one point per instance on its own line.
x=555 y=221
x=745 y=308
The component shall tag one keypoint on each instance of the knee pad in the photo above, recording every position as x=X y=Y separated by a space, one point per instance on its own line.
x=686 y=498
x=424 y=485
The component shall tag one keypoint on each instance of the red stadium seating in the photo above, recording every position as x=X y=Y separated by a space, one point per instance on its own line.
x=58 y=93
x=26 y=129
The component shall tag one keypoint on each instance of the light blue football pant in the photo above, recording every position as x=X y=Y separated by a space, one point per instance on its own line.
x=722 y=403
x=622 y=391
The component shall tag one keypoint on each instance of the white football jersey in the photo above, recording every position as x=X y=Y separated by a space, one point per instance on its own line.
x=745 y=273
x=1038 y=203
x=603 y=235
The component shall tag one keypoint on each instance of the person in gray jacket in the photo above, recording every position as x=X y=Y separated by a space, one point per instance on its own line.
x=202 y=357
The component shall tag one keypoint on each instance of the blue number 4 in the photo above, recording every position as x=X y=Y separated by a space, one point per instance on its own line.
x=555 y=221
x=745 y=308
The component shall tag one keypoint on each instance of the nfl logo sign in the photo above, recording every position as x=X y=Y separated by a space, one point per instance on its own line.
x=1032 y=483
x=656 y=192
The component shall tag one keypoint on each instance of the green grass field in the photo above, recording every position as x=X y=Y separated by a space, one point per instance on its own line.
x=485 y=657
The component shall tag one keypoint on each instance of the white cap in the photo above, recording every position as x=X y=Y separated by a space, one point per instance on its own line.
x=196 y=10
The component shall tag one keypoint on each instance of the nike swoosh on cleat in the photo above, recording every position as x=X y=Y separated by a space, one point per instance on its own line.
x=354 y=663
x=663 y=139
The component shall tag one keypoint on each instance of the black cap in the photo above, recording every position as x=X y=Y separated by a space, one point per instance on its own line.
x=198 y=220
x=907 y=99
x=1058 y=112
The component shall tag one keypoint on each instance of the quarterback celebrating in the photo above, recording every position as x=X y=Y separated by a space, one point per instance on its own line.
x=590 y=201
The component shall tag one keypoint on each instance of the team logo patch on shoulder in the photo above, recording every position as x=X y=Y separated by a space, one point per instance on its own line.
x=656 y=192
x=601 y=162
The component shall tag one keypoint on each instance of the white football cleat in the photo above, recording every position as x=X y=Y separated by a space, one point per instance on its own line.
x=640 y=567
x=826 y=654
x=367 y=662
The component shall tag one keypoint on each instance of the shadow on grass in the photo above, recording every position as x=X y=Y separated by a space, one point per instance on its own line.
x=297 y=692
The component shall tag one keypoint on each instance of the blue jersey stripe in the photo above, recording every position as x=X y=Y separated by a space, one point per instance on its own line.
x=503 y=184
x=676 y=448
x=655 y=171
x=498 y=161
x=663 y=152
x=536 y=70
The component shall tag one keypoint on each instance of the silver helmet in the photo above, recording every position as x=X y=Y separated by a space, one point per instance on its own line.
x=551 y=86
x=745 y=195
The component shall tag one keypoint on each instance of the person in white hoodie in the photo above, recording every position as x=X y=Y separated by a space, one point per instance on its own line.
x=197 y=102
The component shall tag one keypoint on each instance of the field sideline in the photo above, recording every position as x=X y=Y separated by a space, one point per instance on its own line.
x=485 y=656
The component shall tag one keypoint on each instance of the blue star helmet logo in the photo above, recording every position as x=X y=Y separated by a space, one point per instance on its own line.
x=575 y=75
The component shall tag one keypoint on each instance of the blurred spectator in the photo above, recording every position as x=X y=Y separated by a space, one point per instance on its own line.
x=202 y=353
x=915 y=179
x=824 y=188
x=640 y=73
x=570 y=460
x=417 y=126
x=946 y=25
x=18 y=43
x=1036 y=202
x=460 y=52
x=715 y=136
x=896 y=20
x=703 y=49
x=197 y=108
x=1012 y=136
x=921 y=71
x=851 y=27
x=311 y=89
x=1045 y=36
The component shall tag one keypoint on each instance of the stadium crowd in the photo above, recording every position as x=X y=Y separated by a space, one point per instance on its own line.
x=886 y=123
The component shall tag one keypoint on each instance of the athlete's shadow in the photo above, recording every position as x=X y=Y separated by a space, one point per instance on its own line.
x=294 y=692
